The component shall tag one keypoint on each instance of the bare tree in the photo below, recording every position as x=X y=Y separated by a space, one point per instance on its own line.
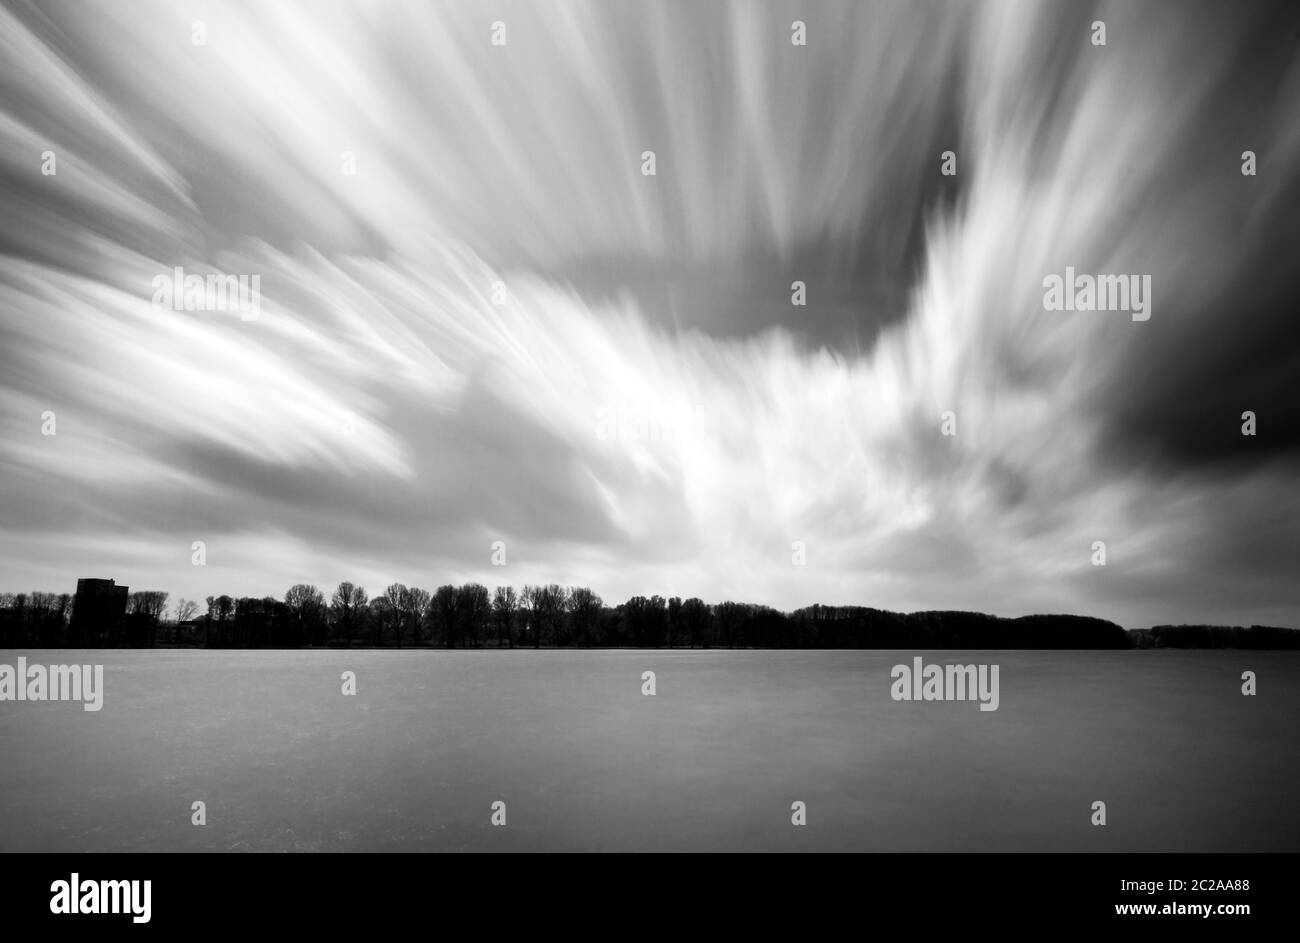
x=442 y=613
x=415 y=603
x=473 y=608
x=548 y=612
x=221 y=607
x=151 y=603
x=695 y=616
x=730 y=618
x=186 y=609
x=675 y=627
x=381 y=616
x=302 y=597
x=307 y=609
x=396 y=595
x=46 y=618
x=584 y=608
x=208 y=617
x=346 y=606
x=504 y=604
x=528 y=618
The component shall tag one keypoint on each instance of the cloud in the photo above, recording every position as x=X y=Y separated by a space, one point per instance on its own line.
x=386 y=417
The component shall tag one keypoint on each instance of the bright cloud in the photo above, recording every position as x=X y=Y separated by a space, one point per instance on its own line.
x=387 y=418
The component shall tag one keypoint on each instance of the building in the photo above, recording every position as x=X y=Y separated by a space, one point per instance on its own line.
x=98 y=612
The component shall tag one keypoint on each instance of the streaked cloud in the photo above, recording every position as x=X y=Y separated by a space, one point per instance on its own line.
x=385 y=419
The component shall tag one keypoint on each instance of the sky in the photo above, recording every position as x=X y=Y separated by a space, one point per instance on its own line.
x=484 y=335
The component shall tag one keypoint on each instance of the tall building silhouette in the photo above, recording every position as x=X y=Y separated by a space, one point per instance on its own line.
x=98 y=611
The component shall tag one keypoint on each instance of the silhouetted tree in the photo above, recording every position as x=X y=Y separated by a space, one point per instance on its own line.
x=646 y=619
x=473 y=609
x=695 y=617
x=548 y=613
x=346 y=607
x=415 y=605
x=674 y=629
x=396 y=594
x=252 y=623
x=186 y=609
x=381 y=617
x=307 y=609
x=730 y=617
x=144 y=610
x=442 y=613
x=151 y=603
x=634 y=617
x=584 y=610
x=504 y=604
x=220 y=609
x=528 y=617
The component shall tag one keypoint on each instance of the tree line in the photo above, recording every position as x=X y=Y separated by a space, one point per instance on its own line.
x=45 y=620
x=552 y=616
x=1215 y=636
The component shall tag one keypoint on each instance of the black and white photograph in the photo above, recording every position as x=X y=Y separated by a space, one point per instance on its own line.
x=649 y=426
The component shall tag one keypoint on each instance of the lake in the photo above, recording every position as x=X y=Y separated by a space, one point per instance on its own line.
x=713 y=761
